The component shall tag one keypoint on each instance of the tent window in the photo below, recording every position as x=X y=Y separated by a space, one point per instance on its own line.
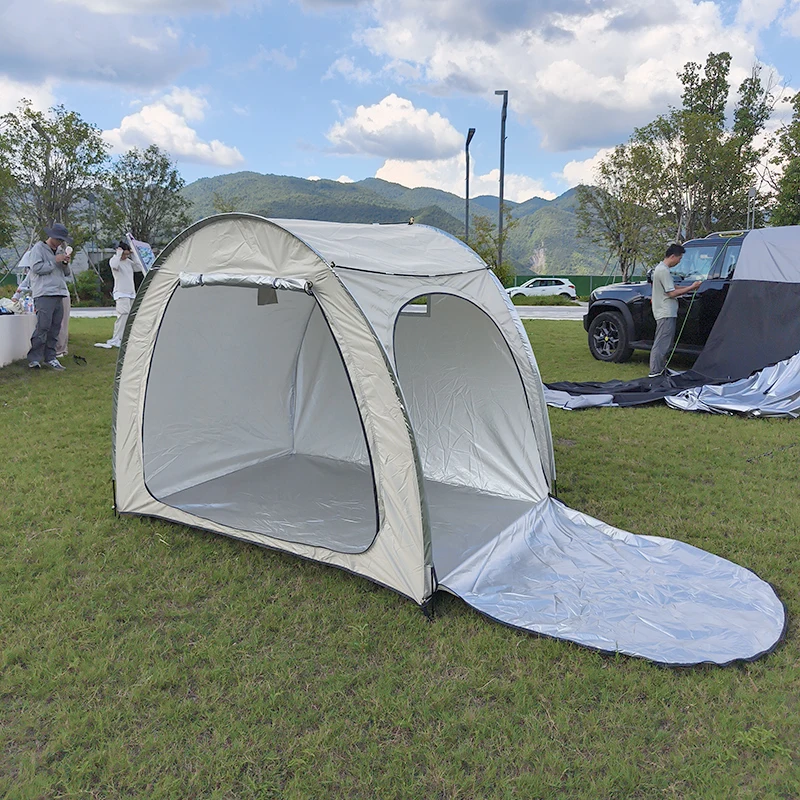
x=421 y=305
x=250 y=420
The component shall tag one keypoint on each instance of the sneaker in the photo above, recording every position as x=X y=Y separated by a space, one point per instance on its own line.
x=34 y=365
x=655 y=374
x=55 y=364
x=104 y=345
x=61 y=355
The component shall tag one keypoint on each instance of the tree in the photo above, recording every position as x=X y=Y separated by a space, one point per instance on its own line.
x=6 y=222
x=223 y=206
x=703 y=165
x=54 y=160
x=617 y=213
x=685 y=174
x=484 y=241
x=143 y=196
x=786 y=208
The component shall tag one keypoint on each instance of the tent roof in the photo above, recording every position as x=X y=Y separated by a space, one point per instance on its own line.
x=770 y=254
x=387 y=249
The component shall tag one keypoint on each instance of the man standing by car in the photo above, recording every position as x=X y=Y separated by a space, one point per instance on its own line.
x=665 y=308
x=48 y=272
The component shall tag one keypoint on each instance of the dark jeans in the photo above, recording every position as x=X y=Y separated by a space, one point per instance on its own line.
x=49 y=314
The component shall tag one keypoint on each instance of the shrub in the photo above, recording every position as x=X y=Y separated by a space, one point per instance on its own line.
x=547 y=300
x=89 y=287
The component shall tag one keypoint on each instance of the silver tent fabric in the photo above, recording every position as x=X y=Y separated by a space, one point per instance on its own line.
x=771 y=392
x=564 y=574
x=574 y=402
x=399 y=446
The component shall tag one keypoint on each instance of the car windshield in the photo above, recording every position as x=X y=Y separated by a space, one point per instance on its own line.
x=697 y=262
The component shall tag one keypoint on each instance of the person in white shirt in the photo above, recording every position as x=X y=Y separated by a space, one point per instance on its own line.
x=122 y=267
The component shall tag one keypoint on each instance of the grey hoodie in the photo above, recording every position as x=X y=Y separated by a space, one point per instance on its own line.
x=47 y=277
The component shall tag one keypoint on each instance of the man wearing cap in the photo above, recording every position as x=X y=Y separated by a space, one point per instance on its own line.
x=48 y=280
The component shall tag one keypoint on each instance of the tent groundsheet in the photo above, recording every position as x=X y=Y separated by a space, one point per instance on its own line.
x=749 y=363
x=561 y=573
x=285 y=397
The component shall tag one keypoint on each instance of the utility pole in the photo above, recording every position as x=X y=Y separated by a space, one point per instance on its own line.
x=504 y=93
x=470 y=134
x=751 y=208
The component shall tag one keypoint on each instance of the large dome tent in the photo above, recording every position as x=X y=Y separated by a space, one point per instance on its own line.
x=278 y=384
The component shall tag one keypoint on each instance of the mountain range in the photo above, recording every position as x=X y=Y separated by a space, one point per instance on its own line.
x=544 y=240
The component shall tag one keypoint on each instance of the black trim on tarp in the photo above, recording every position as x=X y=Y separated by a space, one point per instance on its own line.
x=759 y=326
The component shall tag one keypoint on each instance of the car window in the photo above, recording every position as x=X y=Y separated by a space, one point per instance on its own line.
x=527 y=284
x=729 y=259
x=697 y=262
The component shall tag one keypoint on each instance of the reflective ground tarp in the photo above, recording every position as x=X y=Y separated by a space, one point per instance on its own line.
x=561 y=573
x=771 y=392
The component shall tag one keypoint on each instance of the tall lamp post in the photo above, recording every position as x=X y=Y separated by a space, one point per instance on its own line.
x=504 y=94
x=751 y=208
x=470 y=134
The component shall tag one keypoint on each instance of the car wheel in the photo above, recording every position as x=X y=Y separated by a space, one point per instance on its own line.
x=566 y=294
x=608 y=337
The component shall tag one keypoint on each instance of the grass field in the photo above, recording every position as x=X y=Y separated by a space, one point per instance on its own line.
x=146 y=660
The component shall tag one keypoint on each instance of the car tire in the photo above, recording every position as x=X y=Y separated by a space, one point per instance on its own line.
x=566 y=294
x=608 y=337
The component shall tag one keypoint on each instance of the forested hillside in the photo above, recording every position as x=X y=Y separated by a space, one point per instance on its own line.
x=544 y=239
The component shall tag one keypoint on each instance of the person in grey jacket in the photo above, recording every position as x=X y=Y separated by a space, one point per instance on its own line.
x=48 y=280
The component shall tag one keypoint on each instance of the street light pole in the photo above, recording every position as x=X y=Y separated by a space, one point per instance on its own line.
x=470 y=134
x=504 y=93
x=751 y=208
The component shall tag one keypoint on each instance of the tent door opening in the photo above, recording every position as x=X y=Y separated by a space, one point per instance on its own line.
x=471 y=421
x=250 y=419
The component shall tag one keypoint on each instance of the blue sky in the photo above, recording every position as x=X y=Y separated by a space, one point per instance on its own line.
x=349 y=89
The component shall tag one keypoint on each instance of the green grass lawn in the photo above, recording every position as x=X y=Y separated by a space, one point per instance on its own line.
x=146 y=660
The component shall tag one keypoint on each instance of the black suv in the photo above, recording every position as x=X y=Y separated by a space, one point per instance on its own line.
x=620 y=316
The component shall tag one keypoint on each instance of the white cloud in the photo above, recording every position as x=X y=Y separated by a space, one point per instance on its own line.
x=164 y=123
x=346 y=68
x=11 y=92
x=394 y=128
x=758 y=14
x=155 y=6
x=449 y=175
x=88 y=46
x=592 y=71
x=577 y=172
x=344 y=179
x=791 y=23
x=242 y=111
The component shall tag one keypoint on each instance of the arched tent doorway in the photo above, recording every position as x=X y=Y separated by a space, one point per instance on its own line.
x=472 y=425
x=250 y=420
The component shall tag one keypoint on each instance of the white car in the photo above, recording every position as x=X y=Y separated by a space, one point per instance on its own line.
x=543 y=287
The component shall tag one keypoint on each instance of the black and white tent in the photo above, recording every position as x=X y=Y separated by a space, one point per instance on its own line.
x=751 y=361
x=277 y=384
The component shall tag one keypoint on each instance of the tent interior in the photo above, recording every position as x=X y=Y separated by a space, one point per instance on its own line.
x=274 y=442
